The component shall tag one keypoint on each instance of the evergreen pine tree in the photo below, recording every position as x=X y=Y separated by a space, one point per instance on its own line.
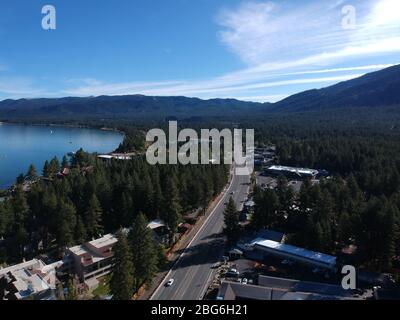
x=172 y=214
x=344 y=227
x=231 y=219
x=122 y=279
x=66 y=224
x=93 y=217
x=32 y=173
x=144 y=251
x=72 y=292
x=54 y=165
x=80 y=233
x=46 y=170
x=65 y=162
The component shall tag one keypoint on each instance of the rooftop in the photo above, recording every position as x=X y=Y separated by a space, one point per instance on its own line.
x=270 y=288
x=250 y=203
x=29 y=278
x=156 y=224
x=296 y=251
x=294 y=170
x=114 y=156
x=31 y=264
x=268 y=234
x=107 y=240
x=78 y=250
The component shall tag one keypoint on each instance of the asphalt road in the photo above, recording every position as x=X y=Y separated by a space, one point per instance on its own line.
x=192 y=273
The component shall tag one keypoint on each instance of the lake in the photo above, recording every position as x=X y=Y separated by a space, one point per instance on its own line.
x=22 y=145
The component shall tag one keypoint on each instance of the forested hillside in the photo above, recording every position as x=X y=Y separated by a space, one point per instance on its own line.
x=359 y=205
x=98 y=197
x=375 y=90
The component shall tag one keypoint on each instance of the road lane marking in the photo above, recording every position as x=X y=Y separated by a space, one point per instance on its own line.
x=194 y=237
x=239 y=195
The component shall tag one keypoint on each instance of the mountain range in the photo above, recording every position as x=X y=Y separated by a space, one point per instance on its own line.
x=374 y=90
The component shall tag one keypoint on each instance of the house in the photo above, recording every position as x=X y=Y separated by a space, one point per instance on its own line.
x=29 y=280
x=91 y=260
x=160 y=231
x=65 y=171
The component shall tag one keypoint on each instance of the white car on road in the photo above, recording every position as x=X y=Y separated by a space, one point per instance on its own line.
x=169 y=282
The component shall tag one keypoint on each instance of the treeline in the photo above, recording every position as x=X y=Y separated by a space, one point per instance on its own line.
x=97 y=197
x=359 y=205
x=370 y=152
x=331 y=215
x=137 y=259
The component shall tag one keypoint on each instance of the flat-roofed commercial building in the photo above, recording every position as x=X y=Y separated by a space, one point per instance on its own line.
x=291 y=172
x=296 y=254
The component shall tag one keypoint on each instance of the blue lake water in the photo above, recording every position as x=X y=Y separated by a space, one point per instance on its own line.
x=22 y=145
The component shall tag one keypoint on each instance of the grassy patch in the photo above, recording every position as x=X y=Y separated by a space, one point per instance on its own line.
x=103 y=289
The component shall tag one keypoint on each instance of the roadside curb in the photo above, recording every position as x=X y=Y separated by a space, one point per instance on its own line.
x=196 y=229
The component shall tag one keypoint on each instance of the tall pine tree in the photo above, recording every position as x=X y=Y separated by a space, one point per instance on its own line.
x=231 y=219
x=93 y=217
x=144 y=251
x=122 y=275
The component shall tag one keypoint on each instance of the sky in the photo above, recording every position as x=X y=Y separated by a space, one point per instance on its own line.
x=249 y=50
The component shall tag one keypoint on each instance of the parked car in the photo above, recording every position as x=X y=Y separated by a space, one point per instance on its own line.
x=169 y=282
x=232 y=273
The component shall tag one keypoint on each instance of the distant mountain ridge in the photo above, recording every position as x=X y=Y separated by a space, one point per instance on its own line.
x=131 y=106
x=380 y=88
x=377 y=89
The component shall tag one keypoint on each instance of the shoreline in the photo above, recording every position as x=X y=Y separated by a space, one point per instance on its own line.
x=6 y=188
x=66 y=125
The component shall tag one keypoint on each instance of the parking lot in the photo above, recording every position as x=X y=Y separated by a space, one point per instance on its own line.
x=274 y=267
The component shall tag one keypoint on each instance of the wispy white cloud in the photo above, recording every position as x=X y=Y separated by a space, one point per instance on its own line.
x=209 y=89
x=293 y=35
x=13 y=87
x=284 y=45
x=277 y=41
x=97 y=87
x=262 y=98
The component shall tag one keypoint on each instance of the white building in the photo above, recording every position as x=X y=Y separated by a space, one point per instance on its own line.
x=292 y=172
x=29 y=280
x=296 y=254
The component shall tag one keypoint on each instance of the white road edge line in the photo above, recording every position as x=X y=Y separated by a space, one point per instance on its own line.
x=205 y=287
x=194 y=237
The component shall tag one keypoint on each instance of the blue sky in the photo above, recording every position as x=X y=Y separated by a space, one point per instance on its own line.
x=250 y=50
